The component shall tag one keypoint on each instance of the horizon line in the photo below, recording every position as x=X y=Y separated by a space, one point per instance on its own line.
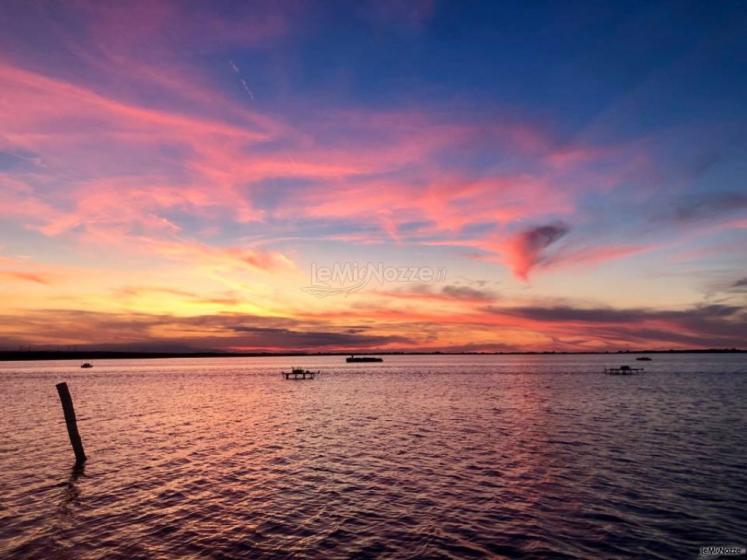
x=42 y=355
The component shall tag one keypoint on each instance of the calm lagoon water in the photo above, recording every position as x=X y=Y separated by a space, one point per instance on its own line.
x=418 y=457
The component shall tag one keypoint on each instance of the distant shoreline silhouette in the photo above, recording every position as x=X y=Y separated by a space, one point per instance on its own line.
x=31 y=355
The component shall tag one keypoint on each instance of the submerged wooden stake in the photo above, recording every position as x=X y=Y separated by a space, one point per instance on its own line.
x=72 y=426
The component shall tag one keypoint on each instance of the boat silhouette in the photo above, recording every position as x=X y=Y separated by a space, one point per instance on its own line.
x=352 y=359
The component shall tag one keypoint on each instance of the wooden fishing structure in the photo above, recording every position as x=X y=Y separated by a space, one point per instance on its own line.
x=623 y=370
x=300 y=373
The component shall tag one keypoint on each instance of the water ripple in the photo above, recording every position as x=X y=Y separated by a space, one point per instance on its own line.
x=437 y=457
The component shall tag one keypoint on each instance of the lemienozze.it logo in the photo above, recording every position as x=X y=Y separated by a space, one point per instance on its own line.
x=348 y=277
x=713 y=552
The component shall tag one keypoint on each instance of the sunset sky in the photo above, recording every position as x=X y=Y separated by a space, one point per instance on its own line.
x=575 y=174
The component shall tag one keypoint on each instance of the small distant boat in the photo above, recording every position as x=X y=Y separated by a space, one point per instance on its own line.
x=86 y=365
x=299 y=373
x=643 y=359
x=623 y=370
x=353 y=359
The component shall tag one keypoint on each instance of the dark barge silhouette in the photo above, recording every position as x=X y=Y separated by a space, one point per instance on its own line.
x=354 y=359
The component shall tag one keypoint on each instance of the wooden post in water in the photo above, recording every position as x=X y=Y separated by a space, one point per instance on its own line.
x=72 y=425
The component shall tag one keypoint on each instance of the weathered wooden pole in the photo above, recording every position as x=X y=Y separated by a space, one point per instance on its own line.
x=72 y=426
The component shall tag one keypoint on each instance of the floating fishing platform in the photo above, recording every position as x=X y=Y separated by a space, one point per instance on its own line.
x=623 y=370
x=299 y=373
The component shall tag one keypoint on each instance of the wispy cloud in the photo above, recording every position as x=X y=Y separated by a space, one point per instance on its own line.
x=136 y=331
x=697 y=327
x=448 y=293
x=709 y=206
x=526 y=249
x=34 y=277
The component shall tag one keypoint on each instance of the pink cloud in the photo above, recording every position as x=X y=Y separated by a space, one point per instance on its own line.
x=542 y=247
x=219 y=166
x=33 y=277
x=594 y=255
x=14 y=269
x=115 y=168
x=569 y=157
x=222 y=257
x=526 y=249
